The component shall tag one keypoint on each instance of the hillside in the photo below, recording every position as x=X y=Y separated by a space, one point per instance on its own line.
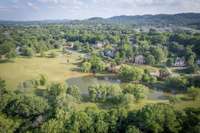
x=176 y=19
x=183 y=19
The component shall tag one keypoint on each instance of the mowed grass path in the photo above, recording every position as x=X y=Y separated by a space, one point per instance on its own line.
x=57 y=69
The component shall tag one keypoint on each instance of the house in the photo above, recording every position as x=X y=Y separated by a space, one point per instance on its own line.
x=108 y=53
x=139 y=59
x=179 y=62
x=155 y=73
x=18 y=50
x=133 y=40
x=87 y=56
x=69 y=45
x=99 y=44
x=198 y=62
x=113 y=68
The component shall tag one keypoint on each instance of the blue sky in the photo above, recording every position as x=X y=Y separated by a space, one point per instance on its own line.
x=80 y=9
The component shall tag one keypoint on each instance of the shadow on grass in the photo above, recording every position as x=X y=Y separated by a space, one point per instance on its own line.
x=6 y=61
x=77 y=69
x=40 y=92
x=77 y=63
x=82 y=83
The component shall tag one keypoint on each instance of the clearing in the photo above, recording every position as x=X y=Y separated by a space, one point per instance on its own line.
x=57 y=69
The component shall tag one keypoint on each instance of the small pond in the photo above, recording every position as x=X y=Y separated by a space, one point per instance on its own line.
x=84 y=82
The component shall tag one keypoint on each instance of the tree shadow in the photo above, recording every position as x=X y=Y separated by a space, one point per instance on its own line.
x=6 y=61
x=77 y=69
x=40 y=92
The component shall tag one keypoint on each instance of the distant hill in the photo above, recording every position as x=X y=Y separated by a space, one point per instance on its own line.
x=37 y=22
x=166 y=19
x=160 y=19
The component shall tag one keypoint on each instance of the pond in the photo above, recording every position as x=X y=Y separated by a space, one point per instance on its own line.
x=84 y=82
x=157 y=95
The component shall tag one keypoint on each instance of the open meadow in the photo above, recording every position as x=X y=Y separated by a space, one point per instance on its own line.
x=56 y=69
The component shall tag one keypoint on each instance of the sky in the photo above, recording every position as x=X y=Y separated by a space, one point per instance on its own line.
x=82 y=9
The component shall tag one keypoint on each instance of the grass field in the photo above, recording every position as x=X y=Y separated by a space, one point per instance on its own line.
x=187 y=104
x=56 y=69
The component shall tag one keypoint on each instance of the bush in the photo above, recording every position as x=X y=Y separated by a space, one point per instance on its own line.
x=193 y=69
x=126 y=99
x=194 y=93
x=150 y=60
x=148 y=78
x=74 y=91
x=177 y=83
x=86 y=67
x=42 y=54
x=158 y=118
x=170 y=62
x=97 y=64
x=103 y=92
x=132 y=129
x=43 y=80
x=164 y=73
x=56 y=89
x=7 y=49
x=3 y=89
x=194 y=81
x=174 y=99
x=139 y=91
x=27 y=106
x=27 y=51
x=129 y=73
x=52 y=54
x=8 y=125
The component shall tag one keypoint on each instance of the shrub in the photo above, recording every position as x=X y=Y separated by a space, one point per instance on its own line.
x=52 y=54
x=129 y=73
x=139 y=91
x=86 y=67
x=27 y=106
x=27 y=51
x=194 y=93
x=177 y=83
x=74 y=91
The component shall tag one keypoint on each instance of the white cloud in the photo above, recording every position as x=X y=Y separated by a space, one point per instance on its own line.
x=76 y=9
x=33 y=6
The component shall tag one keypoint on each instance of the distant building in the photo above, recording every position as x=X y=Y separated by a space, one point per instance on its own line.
x=133 y=40
x=139 y=59
x=113 y=68
x=155 y=73
x=198 y=62
x=108 y=53
x=87 y=56
x=99 y=44
x=179 y=62
x=69 y=45
x=18 y=50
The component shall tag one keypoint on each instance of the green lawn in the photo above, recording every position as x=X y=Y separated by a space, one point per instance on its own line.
x=57 y=69
x=187 y=104
x=148 y=67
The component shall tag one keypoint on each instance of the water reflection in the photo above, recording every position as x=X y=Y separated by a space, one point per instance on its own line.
x=84 y=82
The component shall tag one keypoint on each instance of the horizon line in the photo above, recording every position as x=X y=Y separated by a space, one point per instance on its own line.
x=87 y=18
